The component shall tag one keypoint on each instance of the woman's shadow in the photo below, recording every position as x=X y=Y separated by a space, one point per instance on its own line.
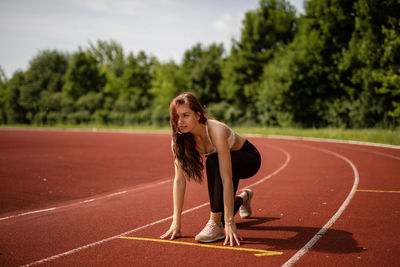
x=334 y=241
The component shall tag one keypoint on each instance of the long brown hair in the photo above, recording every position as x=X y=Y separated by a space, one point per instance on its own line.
x=184 y=145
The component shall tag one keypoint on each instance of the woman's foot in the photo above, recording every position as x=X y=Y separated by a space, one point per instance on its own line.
x=245 y=209
x=210 y=233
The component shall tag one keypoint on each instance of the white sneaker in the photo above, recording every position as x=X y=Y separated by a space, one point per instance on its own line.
x=245 y=209
x=210 y=233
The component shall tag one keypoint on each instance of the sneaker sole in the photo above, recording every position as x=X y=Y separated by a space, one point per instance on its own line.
x=246 y=216
x=250 y=194
x=210 y=240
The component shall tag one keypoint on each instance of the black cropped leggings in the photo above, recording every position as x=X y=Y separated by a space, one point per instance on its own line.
x=245 y=163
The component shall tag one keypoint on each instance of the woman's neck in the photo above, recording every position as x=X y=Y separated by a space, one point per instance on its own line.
x=199 y=130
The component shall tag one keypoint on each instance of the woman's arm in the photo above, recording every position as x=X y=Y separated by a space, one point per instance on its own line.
x=178 y=193
x=179 y=189
x=225 y=166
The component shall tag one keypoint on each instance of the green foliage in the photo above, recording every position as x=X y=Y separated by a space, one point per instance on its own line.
x=338 y=65
x=203 y=72
x=14 y=111
x=168 y=82
x=111 y=62
x=45 y=76
x=3 y=94
x=387 y=76
x=368 y=68
x=83 y=76
x=302 y=81
x=136 y=80
x=264 y=31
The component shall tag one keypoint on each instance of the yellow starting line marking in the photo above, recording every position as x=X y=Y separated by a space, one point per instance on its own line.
x=378 y=191
x=259 y=252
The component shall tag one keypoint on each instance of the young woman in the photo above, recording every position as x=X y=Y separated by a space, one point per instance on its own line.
x=229 y=157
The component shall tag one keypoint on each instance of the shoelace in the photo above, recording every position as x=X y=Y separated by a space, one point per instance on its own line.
x=209 y=228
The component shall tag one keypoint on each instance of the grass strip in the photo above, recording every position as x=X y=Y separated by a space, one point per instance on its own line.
x=382 y=136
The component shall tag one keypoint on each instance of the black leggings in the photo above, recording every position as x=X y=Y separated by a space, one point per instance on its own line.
x=245 y=163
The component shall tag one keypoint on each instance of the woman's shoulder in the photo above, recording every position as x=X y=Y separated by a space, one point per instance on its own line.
x=217 y=128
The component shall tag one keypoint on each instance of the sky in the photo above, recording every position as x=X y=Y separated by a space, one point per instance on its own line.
x=162 y=28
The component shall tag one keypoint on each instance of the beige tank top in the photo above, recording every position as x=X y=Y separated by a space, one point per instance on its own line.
x=231 y=141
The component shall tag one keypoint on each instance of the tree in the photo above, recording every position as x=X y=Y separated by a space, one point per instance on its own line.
x=44 y=76
x=3 y=100
x=15 y=112
x=111 y=62
x=83 y=76
x=267 y=29
x=168 y=81
x=388 y=76
x=300 y=85
x=137 y=79
x=369 y=69
x=202 y=68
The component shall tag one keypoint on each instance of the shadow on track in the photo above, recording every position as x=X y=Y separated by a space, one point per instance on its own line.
x=333 y=241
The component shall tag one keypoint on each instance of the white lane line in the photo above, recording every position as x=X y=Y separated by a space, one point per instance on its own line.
x=339 y=212
x=83 y=201
x=275 y=172
x=324 y=140
x=115 y=194
x=36 y=211
x=26 y=213
x=375 y=152
x=88 y=200
x=166 y=181
x=72 y=251
x=7 y=217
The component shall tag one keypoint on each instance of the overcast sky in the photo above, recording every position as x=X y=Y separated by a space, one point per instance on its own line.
x=163 y=28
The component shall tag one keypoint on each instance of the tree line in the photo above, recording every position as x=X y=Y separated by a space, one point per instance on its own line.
x=337 y=65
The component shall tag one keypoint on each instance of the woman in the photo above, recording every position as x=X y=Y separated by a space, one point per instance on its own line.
x=230 y=157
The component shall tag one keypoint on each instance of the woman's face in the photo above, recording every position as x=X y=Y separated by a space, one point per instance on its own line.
x=187 y=118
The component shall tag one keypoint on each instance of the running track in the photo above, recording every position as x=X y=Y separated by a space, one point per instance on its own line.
x=76 y=198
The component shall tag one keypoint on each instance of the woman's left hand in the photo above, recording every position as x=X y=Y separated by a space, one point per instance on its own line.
x=231 y=234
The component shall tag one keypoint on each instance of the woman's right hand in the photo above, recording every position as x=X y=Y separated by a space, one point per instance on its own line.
x=174 y=231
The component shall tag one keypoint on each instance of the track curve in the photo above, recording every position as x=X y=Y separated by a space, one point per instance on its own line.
x=312 y=182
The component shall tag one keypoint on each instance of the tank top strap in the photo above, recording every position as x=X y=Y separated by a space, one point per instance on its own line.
x=208 y=136
x=231 y=138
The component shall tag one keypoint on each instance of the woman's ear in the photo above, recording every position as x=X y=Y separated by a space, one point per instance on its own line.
x=198 y=115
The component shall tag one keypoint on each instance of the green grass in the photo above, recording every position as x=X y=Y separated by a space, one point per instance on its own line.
x=382 y=136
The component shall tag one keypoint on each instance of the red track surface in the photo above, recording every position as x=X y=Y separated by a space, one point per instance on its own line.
x=68 y=197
